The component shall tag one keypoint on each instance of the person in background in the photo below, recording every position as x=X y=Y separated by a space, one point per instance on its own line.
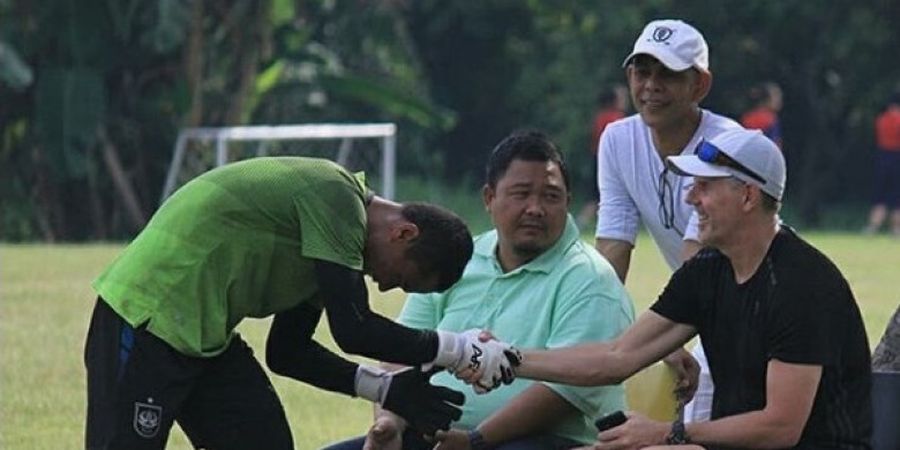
x=887 y=169
x=767 y=100
x=612 y=103
x=668 y=76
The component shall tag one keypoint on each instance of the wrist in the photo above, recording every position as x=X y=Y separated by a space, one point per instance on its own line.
x=449 y=350
x=371 y=383
x=677 y=434
x=476 y=440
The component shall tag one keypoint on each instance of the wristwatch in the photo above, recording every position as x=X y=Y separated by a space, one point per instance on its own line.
x=677 y=436
x=476 y=440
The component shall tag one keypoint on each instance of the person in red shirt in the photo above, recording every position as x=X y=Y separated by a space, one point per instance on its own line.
x=767 y=101
x=612 y=103
x=887 y=168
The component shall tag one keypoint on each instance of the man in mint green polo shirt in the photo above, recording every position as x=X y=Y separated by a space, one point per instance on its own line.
x=533 y=281
x=287 y=237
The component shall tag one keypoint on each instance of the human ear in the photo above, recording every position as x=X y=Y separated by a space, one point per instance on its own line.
x=702 y=85
x=405 y=231
x=487 y=196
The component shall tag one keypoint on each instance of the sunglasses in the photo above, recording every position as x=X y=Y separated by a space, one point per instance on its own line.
x=714 y=155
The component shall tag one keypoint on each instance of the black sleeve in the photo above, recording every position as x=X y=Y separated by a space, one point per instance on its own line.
x=679 y=300
x=359 y=330
x=291 y=352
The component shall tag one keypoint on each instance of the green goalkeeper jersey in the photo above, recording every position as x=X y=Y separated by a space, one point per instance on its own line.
x=237 y=242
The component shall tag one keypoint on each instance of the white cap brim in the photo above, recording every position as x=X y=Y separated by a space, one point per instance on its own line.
x=692 y=166
x=666 y=58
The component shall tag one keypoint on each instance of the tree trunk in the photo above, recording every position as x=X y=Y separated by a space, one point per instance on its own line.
x=120 y=181
x=193 y=65
x=251 y=51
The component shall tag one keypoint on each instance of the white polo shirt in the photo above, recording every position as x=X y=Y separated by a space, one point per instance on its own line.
x=628 y=179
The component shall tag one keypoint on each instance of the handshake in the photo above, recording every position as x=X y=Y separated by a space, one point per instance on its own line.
x=476 y=358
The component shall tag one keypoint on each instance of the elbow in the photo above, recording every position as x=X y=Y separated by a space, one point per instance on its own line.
x=276 y=360
x=783 y=434
x=786 y=438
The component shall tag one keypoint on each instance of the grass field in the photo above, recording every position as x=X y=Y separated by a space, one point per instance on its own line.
x=45 y=302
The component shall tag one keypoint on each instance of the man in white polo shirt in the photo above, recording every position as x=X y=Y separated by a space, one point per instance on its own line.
x=668 y=76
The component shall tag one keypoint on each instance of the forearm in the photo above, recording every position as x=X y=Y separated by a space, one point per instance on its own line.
x=291 y=352
x=755 y=429
x=790 y=394
x=618 y=253
x=602 y=363
x=535 y=410
x=359 y=330
x=594 y=364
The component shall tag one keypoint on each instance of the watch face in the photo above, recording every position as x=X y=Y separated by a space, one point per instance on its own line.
x=677 y=436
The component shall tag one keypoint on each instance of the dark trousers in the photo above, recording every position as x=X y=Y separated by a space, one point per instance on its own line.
x=138 y=386
x=411 y=442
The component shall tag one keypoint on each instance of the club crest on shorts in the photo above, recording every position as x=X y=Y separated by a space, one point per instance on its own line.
x=147 y=419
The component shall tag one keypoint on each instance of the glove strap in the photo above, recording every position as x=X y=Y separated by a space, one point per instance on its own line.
x=372 y=383
x=449 y=352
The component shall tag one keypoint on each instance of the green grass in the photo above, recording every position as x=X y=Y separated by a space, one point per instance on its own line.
x=46 y=300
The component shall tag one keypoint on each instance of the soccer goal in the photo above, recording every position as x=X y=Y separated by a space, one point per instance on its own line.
x=200 y=149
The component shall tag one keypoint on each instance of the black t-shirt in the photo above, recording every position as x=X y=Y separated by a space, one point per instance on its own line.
x=796 y=308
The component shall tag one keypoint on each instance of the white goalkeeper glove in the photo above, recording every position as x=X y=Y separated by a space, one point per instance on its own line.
x=494 y=360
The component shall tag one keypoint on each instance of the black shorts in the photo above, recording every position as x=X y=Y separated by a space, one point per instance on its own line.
x=138 y=385
x=887 y=179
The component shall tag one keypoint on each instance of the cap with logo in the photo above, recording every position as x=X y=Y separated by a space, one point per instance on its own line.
x=747 y=155
x=674 y=43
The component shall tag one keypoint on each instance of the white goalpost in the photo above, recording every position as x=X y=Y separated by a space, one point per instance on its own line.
x=347 y=133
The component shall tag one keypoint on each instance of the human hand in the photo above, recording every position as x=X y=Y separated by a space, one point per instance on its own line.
x=637 y=432
x=452 y=440
x=408 y=393
x=385 y=434
x=687 y=374
x=477 y=359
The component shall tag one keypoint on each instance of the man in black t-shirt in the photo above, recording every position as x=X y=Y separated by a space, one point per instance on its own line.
x=786 y=344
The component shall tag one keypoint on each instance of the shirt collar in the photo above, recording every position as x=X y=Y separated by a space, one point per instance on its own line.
x=486 y=245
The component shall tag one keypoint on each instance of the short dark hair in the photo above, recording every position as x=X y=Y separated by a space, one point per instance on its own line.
x=769 y=203
x=523 y=146
x=444 y=244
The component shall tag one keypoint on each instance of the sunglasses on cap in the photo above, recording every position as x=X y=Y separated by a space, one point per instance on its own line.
x=714 y=155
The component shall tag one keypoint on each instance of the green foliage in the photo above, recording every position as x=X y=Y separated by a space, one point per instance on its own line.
x=168 y=26
x=69 y=105
x=455 y=76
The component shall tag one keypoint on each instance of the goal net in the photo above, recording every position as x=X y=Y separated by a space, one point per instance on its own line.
x=369 y=147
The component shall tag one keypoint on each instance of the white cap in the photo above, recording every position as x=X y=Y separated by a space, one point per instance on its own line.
x=749 y=148
x=674 y=43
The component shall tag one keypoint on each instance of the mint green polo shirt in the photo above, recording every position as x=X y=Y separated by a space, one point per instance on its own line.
x=236 y=242
x=568 y=295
